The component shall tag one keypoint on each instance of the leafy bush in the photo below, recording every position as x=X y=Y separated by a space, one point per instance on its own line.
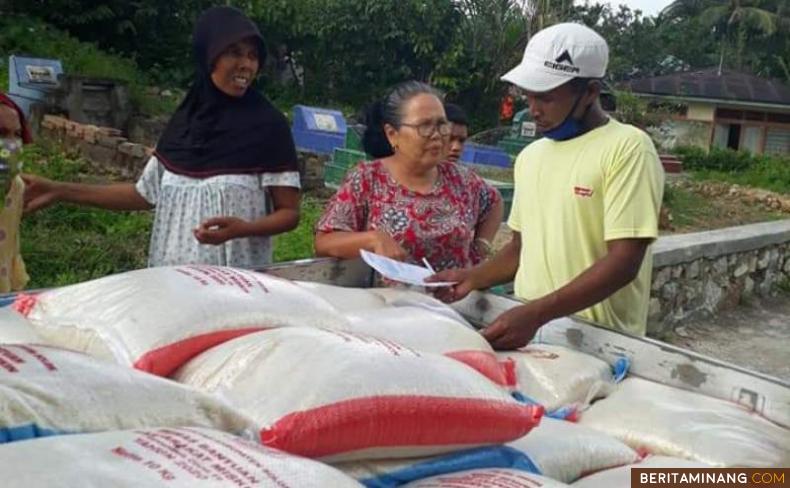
x=760 y=171
x=695 y=158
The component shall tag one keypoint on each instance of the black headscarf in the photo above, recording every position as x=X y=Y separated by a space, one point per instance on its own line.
x=212 y=133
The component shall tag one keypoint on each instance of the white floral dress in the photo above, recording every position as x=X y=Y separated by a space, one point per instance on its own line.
x=182 y=203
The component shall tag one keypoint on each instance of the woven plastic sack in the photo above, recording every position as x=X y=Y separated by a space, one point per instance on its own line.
x=621 y=477
x=47 y=391
x=425 y=330
x=159 y=457
x=672 y=422
x=345 y=299
x=487 y=478
x=155 y=319
x=557 y=449
x=404 y=297
x=342 y=396
x=16 y=329
x=566 y=451
x=556 y=376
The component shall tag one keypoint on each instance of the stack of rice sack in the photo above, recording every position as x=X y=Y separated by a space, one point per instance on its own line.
x=270 y=357
x=391 y=387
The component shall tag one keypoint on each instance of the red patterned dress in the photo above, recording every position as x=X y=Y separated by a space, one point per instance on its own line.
x=439 y=225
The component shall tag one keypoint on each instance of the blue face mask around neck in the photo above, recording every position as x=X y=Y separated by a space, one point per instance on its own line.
x=570 y=127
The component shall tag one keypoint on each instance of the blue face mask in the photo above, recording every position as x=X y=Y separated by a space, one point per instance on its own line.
x=570 y=127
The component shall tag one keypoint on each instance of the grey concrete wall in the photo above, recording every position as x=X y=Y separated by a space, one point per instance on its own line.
x=704 y=272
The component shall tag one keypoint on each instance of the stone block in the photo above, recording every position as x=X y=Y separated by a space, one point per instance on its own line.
x=693 y=270
x=740 y=270
x=669 y=292
x=110 y=131
x=89 y=133
x=661 y=277
x=763 y=259
x=748 y=287
x=109 y=141
x=654 y=309
x=752 y=262
x=720 y=266
x=712 y=296
x=126 y=148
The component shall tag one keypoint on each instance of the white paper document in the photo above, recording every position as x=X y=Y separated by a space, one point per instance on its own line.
x=401 y=272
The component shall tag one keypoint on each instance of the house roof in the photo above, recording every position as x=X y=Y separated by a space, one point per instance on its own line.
x=709 y=84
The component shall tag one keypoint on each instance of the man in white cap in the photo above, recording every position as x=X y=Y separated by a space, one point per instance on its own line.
x=586 y=203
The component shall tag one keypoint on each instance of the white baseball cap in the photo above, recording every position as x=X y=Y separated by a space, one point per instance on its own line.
x=557 y=54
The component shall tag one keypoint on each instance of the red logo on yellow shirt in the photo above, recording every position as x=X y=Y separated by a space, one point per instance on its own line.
x=582 y=191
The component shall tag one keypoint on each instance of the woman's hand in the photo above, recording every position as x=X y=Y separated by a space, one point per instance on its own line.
x=39 y=193
x=383 y=244
x=219 y=230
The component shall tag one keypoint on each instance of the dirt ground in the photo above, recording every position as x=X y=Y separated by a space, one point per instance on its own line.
x=754 y=335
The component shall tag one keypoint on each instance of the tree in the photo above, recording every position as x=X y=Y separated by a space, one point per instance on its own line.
x=734 y=22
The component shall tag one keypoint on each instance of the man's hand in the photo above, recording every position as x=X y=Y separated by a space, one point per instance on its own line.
x=219 y=230
x=516 y=327
x=453 y=293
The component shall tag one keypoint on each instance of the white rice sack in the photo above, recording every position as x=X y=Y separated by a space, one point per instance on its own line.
x=16 y=329
x=669 y=421
x=427 y=331
x=621 y=477
x=557 y=376
x=487 y=478
x=345 y=299
x=159 y=457
x=557 y=449
x=155 y=319
x=342 y=396
x=387 y=473
x=47 y=391
x=403 y=297
x=566 y=451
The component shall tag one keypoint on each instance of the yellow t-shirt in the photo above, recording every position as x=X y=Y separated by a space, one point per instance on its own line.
x=573 y=196
x=13 y=275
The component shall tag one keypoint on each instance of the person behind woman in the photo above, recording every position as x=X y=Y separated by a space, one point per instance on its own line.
x=225 y=157
x=459 y=133
x=409 y=203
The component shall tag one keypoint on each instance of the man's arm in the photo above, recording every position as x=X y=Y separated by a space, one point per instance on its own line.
x=499 y=269
x=618 y=268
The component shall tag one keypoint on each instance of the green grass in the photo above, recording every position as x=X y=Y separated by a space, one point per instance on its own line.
x=66 y=244
x=773 y=176
x=692 y=212
x=298 y=244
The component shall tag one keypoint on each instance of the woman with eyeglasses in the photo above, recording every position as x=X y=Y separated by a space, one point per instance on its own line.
x=410 y=203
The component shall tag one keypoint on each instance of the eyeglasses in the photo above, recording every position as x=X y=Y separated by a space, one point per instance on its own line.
x=429 y=128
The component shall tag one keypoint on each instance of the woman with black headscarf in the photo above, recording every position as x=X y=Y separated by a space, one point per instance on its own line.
x=223 y=178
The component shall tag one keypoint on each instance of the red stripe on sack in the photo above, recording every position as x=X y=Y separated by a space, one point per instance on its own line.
x=484 y=362
x=165 y=360
x=24 y=303
x=393 y=421
x=509 y=365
